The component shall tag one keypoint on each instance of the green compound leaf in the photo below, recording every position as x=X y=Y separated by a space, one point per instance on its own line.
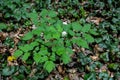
x=34 y=17
x=60 y=50
x=89 y=38
x=36 y=57
x=72 y=33
x=66 y=58
x=17 y=53
x=25 y=56
x=52 y=57
x=76 y=26
x=86 y=28
x=38 y=31
x=92 y=31
x=52 y=13
x=28 y=36
x=26 y=48
x=43 y=59
x=44 y=13
x=82 y=43
x=59 y=28
x=49 y=66
x=56 y=35
x=34 y=44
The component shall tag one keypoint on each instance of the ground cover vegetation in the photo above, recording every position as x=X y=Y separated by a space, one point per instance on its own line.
x=59 y=39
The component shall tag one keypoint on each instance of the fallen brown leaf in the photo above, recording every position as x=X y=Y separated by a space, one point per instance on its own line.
x=74 y=70
x=3 y=48
x=60 y=69
x=95 y=57
x=3 y=36
x=103 y=68
x=97 y=49
x=95 y=20
x=73 y=76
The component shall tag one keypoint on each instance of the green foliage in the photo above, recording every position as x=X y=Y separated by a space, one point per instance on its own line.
x=28 y=36
x=90 y=76
x=18 y=53
x=113 y=66
x=51 y=42
x=8 y=71
x=16 y=9
x=84 y=60
x=52 y=39
x=49 y=66
x=3 y=26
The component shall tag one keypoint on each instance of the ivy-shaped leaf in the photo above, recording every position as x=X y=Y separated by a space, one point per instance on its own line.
x=3 y=26
x=7 y=71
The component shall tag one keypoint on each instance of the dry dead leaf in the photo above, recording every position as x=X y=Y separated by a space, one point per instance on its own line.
x=103 y=68
x=12 y=50
x=12 y=63
x=76 y=48
x=3 y=36
x=72 y=64
x=16 y=40
x=74 y=70
x=54 y=77
x=84 y=2
x=60 y=69
x=95 y=57
x=95 y=20
x=1 y=45
x=87 y=52
x=32 y=72
x=97 y=49
x=73 y=76
x=3 y=49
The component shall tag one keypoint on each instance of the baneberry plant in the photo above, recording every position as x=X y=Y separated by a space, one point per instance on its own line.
x=52 y=40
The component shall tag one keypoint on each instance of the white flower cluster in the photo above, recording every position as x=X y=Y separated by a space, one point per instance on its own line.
x=34 y=27
x=64 y=33
x=65 y=23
